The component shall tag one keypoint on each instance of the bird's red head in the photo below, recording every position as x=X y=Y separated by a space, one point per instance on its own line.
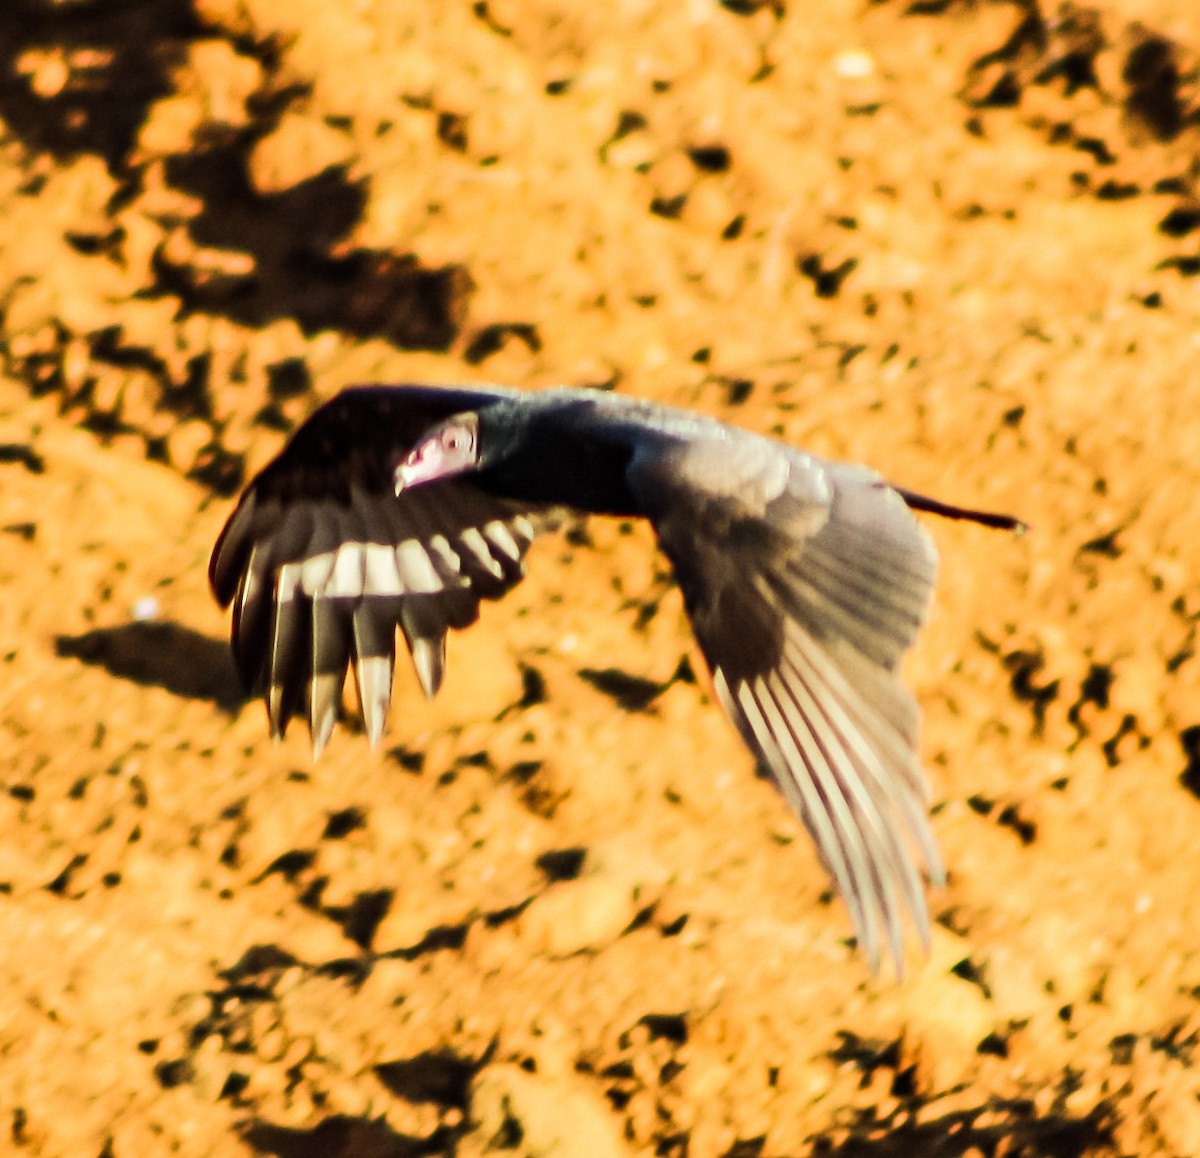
x=450 y=448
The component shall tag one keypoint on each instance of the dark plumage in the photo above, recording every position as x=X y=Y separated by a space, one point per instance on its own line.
x=805 y=580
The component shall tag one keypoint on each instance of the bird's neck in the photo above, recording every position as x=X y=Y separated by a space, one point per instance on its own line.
x=564 y=467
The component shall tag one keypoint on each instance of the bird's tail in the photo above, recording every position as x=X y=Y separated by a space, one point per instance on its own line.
x=948 y=511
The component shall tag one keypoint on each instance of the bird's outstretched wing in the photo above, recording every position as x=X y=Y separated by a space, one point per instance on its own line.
x=806 y=581
x=322 y=560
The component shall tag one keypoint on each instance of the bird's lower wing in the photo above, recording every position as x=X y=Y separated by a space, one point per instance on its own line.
x=323 y=562
x=804 y=596
x=327 y=584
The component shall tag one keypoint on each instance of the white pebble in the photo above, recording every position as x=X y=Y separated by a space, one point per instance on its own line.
x=146 y=608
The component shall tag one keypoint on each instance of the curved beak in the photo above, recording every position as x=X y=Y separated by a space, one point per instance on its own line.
x=405 y=476
x=411 y=474
x=425 y=463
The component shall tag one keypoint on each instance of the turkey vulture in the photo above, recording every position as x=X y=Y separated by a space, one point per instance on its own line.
x=805 y=581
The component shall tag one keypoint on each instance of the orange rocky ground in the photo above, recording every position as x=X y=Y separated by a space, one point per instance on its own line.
x=557 y=913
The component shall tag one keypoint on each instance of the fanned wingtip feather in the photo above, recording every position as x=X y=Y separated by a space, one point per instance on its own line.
x=325 y=696
x=429 y=662
x=275 y=718
x=374 y=676
x=227 y=562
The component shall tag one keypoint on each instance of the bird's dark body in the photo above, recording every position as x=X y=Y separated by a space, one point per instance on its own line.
x=588 y=474
x=805 y=581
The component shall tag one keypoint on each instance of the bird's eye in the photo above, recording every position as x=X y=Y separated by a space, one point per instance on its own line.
x=456 y=440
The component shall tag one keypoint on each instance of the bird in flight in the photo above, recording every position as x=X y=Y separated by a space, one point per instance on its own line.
x=805 y=582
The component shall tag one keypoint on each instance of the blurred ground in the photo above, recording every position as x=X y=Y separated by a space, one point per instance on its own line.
x=559 y=914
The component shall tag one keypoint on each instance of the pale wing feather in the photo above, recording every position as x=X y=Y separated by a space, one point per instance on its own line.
x=335 y=594
x=806 y=582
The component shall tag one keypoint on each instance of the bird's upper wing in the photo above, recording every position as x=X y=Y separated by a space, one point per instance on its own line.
x=322 y=560
x=806 y=581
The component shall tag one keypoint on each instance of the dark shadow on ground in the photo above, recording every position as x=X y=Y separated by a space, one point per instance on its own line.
x=1013 y=1129
x=118 y=58
x=302 y=270
x=163 y=655
x=1001 y=1126
x=131 y=47
x=345 y=1137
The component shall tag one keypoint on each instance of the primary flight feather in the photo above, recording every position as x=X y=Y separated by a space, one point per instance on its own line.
x=805 y=581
